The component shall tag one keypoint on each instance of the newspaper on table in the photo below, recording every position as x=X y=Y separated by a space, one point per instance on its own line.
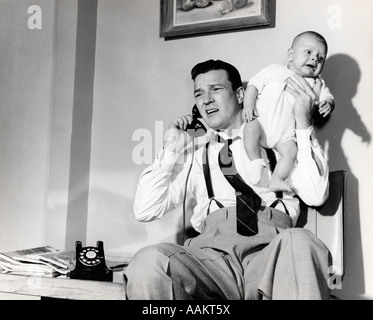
x=44 y=261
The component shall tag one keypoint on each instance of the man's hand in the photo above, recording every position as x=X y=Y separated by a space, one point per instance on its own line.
x=305 y=99
x=176 y=136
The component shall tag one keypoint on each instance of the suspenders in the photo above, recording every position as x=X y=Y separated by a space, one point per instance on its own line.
x=207 y=174
x=206 y=171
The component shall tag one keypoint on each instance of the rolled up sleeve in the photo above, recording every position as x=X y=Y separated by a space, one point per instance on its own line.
x=310 y=176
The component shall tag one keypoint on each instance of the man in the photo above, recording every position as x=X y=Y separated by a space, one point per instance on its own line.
x=273 y=260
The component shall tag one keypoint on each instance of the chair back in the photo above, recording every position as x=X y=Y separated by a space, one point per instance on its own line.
x=327 y=221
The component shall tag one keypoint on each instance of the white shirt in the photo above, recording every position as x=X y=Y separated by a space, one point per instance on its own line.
x=161 y=186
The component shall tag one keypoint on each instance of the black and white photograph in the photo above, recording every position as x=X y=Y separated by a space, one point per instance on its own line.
x=157 y=151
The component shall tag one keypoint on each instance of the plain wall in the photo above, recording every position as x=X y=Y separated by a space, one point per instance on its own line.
x=141 y=80
x=58 y=195
x=26 y=92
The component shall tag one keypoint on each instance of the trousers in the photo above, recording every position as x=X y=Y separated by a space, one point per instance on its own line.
x=279 y=262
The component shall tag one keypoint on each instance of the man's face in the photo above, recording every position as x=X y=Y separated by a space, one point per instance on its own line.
x=218 y=104
x=307 y=56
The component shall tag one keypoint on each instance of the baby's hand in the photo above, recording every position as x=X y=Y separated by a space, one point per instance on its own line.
x=249 y=113
x=324 y=108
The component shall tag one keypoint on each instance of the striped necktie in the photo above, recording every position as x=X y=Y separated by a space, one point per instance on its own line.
x=247 y=201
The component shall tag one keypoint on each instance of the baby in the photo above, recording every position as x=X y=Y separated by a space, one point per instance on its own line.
x=268 y=108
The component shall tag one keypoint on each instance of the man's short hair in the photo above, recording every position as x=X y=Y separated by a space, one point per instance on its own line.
x=233 y=75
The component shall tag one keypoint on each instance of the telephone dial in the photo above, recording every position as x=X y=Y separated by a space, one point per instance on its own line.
x=196 y=128
x=90 y=263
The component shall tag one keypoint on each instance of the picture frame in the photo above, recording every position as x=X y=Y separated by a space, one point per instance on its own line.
x=180 y=18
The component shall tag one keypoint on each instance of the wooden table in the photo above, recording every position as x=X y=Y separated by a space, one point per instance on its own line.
x=63 y=288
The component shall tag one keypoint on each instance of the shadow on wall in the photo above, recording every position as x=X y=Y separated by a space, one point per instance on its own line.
x=342 y=75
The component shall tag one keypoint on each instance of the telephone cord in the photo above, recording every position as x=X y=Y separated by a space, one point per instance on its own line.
x=185 y=191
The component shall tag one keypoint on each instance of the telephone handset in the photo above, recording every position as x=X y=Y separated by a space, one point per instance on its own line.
x=90 y=263
x=196 y=128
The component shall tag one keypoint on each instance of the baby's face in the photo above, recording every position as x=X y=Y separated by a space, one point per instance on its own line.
x=307 y=57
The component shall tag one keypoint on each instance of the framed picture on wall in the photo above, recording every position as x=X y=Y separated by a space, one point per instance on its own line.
x=195 y=17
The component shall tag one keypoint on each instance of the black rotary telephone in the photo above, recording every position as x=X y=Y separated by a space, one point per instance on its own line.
x=90 y=263
x=196 y=128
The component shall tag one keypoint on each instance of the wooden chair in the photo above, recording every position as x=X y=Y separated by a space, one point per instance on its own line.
x=327 y=221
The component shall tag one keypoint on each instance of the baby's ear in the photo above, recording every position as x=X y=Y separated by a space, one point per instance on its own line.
x=290 y=55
